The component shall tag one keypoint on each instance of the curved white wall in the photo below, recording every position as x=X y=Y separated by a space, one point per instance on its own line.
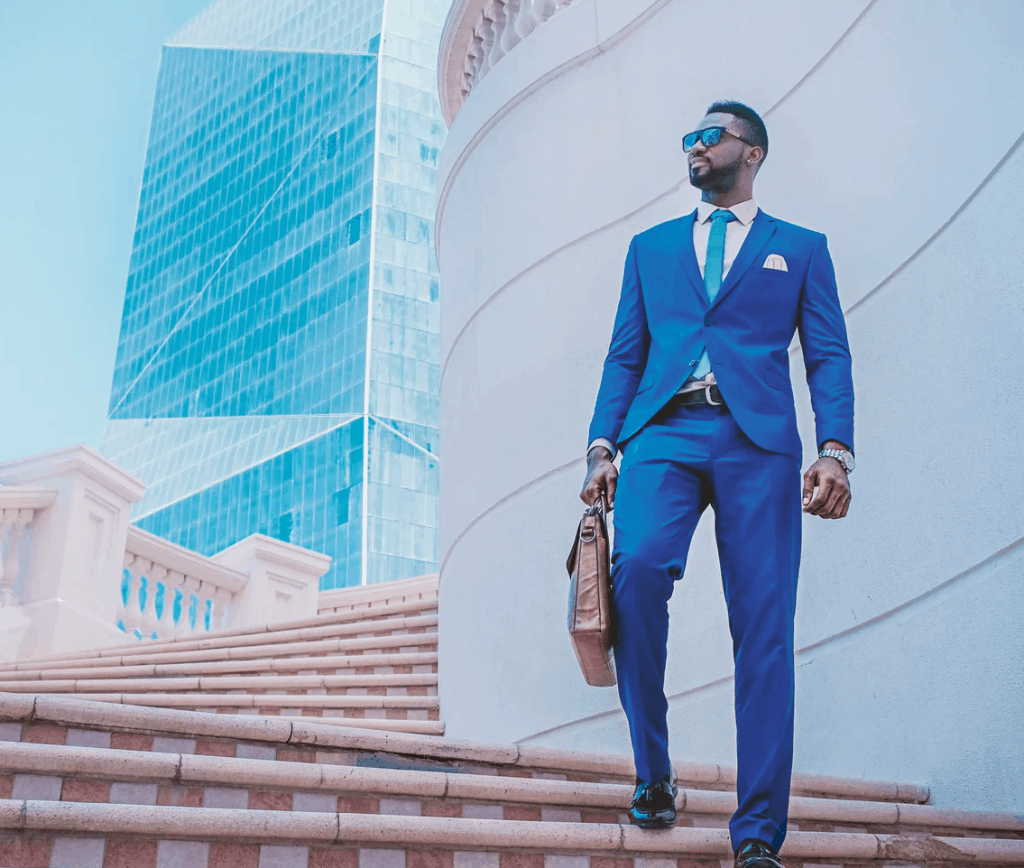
x=911 y=652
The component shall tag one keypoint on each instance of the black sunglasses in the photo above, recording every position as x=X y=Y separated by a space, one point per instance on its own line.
x=710 y=136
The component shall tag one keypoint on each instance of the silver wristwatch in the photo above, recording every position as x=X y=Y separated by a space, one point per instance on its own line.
x=841 y=455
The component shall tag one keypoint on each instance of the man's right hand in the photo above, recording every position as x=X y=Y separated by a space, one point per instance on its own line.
x=601 y=477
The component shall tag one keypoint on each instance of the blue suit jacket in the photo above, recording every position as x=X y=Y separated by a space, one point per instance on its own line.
x=664 y=320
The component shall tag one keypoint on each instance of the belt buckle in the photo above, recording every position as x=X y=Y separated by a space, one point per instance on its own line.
x=707 y=394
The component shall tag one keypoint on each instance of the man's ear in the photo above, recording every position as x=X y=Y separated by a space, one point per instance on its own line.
x=756 y=158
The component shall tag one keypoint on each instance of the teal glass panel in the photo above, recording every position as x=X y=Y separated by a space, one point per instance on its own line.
x=277 y=369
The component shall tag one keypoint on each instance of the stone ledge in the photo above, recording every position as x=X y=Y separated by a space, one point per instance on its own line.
x=248 y=652
x=215 y=682
x=222 y=824
x=279 y=664
x=189 y=769
x=79 y=712
x=257 y=700
x=262 y=638
x=370 y=599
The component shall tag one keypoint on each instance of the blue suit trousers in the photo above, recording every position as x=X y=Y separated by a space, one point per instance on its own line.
x=675 y=467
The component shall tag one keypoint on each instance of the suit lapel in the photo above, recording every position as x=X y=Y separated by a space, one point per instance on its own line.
x=688 y=257
x=760 y=232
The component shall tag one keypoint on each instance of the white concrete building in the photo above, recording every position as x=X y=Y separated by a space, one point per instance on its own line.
x=896 y=129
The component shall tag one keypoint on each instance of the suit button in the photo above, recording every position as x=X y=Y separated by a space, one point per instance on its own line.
x=707 y=320
x=693 y=361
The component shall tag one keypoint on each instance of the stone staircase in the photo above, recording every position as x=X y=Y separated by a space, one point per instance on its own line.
x=100 y=785
x=368 y=659
x=326 y=752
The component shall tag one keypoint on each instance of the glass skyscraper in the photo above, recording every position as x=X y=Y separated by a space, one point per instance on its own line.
x=277 y=367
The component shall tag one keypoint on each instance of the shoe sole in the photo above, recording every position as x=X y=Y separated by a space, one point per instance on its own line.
x=653 y=824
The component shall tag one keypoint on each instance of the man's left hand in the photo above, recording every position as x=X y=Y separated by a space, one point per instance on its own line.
x=832 y=499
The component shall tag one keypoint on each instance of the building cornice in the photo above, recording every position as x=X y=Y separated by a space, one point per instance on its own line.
x=476 y=35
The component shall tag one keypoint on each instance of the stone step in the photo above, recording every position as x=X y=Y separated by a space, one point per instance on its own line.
x=54 y=720
x=268 y=701
x=378 y=619
x=42 y=833
x=410 y=627
x=363 y=597
x=417 y=643
x=355 y=664
x=251 y=683
x=407 y=725
x=181 y=777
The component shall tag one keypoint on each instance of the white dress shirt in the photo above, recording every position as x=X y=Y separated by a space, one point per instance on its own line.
x=736 y=232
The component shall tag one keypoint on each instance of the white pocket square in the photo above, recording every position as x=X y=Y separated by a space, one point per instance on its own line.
x=776 y=263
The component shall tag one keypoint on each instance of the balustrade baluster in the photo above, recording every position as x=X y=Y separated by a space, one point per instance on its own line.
x=7 y=576
x=494 y=12
x=202 y=595
x=11 y=570
x=124 y=593
x=546 y=8
x=527 y=20
x=172 y=582
x=510 y=37
x=148 y=620
x=132 y=606
x=221 y=609
x=474 y=56
x=189 y=590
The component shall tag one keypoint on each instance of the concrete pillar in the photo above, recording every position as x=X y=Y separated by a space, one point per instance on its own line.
x=284 y=580
x=73 y=575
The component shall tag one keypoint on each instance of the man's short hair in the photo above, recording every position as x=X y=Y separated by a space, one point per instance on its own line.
x=750 y=119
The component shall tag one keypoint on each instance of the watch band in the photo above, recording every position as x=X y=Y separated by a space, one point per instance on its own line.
x=839 y=455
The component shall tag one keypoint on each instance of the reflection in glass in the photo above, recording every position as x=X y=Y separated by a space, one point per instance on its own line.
x=277 y=367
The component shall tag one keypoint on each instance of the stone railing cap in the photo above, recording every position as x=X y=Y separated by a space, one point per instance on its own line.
x=26 y=496
x=266 y=549
x=164 y=553
x=74 y=459
x=378 y=591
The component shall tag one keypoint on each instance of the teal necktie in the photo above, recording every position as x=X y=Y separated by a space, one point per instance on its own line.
x=713 y=265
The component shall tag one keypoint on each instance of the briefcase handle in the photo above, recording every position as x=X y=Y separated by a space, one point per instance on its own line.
x=588 y=535
x=600 y=508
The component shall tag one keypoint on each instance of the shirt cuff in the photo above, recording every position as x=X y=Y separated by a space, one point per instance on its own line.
x=607 y=444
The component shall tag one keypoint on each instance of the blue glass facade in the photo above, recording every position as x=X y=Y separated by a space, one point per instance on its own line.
x=277 y=367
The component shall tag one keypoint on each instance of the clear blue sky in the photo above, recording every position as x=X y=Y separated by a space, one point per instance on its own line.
x=76 y=91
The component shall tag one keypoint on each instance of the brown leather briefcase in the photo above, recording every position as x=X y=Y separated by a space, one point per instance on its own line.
x=590 y=591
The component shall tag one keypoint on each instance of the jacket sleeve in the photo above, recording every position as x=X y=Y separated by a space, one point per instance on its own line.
x=627 y=356
x=826 y=350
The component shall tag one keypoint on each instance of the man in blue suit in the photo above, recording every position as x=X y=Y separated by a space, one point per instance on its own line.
x=696 y=394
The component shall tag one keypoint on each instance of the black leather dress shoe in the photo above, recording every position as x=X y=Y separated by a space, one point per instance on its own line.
x=654 y=805
x=754 y=853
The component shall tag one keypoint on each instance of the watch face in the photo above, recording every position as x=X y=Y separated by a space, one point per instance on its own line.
x=848 y=456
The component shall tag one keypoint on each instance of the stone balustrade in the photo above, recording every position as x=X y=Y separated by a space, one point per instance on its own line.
x=19 y=506
x=477 y=34
x=169 y=591
x=75 y=574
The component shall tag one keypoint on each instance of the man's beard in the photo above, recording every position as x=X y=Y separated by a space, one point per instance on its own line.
x=720 y=178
